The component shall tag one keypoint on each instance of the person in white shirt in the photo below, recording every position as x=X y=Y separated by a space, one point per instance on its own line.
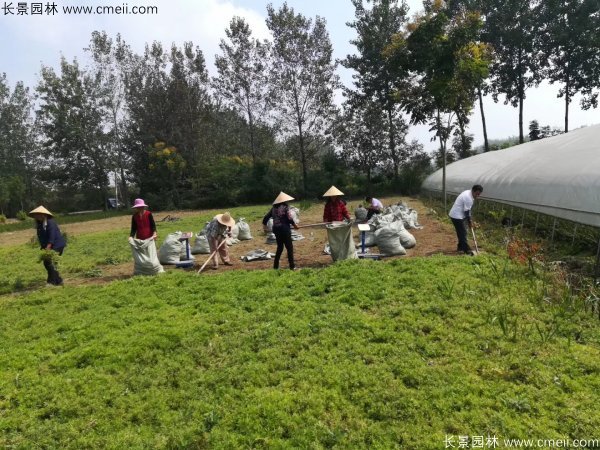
x=374 y=207
x=460 y=213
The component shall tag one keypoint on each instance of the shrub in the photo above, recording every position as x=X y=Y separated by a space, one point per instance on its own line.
x=22 y=215
x=2 y=218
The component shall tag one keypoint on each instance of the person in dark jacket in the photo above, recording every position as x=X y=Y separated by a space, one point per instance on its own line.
x=50 y=238
x=282 y=223
x=142 y=223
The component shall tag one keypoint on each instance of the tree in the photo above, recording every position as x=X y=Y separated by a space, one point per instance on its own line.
x=362 y=134
x=511 y=28
x=242 y=81
x=111 y=66
x=71 y=116
x=375 y=80
x=447 y=65
x=18 y=147
x=168 y=101
x=303 y=79
x=570 y=46
x=534 y=130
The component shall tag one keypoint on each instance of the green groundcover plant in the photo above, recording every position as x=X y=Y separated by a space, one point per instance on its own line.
x=362 y=354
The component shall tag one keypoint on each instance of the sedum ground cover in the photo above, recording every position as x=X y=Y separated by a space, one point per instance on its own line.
x=362 y=354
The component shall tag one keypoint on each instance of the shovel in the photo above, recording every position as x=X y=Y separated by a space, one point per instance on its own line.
x=212 y=255
x=475 y=241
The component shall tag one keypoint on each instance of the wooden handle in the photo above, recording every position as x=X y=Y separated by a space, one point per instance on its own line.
x=211 y=256
x=320 y=224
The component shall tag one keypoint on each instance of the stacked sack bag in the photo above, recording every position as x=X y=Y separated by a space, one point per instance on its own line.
x=201 y=246
x=389 y=231
x=173 y=250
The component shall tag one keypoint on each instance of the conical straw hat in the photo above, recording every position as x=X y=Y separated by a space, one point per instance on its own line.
x=225 y=219
x=40 y=210
x=333 y=192
x=283 y=197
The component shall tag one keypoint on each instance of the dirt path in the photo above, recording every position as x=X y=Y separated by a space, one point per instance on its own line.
x=435 y=238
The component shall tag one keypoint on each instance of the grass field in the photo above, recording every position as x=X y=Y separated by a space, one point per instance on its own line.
x=362 y=354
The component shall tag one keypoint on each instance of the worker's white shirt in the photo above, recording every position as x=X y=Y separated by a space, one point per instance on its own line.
x=463 y=203
x=376 y=204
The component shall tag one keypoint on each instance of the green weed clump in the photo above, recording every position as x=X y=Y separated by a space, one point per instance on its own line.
x=362 y=354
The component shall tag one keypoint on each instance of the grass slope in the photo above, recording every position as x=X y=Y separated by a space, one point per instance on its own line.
x=361 y=354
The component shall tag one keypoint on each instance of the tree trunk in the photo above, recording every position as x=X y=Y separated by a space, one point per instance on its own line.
x=124 y=189
x=521 y=90
x=303 y=160
x=443 y=152
x=251 y=130
x=486 y=145
x=393 y=144
x=567 y=99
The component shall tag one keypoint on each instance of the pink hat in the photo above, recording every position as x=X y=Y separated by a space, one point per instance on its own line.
x=139 y=203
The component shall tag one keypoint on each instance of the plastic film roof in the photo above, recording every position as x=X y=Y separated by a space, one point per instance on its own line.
x=558 y=176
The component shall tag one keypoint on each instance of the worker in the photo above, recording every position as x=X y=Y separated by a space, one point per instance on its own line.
x=50 y=238
x=374 y=207
x=283 y=220
x=217 y=231
x=460 y=214
x=335 y=209
x=142 y=222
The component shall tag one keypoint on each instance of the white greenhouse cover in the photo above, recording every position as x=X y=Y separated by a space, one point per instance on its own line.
x=558 y=176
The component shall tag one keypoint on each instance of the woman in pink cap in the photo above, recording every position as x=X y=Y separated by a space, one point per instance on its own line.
x=142 y=222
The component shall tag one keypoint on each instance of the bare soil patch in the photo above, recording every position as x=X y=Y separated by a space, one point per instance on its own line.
x=434 y=238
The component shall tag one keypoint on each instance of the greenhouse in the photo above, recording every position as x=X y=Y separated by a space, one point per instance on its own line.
x=558 y=176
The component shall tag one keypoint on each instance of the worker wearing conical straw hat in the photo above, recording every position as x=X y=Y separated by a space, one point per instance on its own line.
x=335 y=208
x=217 y=231
x=283 y=220
x=50 y=238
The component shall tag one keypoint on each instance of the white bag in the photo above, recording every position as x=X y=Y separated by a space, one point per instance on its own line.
x=361 y=214
x=171 y=249
x=235 y=231
x=244 y=230
x=341 y=242
x=201 y=246
x=388 y=239
x=145 y=261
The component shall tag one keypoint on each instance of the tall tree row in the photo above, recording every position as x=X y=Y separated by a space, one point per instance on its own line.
x=153 y=123
x=303 y=80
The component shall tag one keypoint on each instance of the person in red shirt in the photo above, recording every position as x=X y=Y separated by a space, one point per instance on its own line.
x=142 y=223
x=335 y=208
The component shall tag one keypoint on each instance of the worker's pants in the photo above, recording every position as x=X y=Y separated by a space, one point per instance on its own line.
x=53 y=275
x=460 y=225
x=371 y=213
x=284 y=238
x=213 y=243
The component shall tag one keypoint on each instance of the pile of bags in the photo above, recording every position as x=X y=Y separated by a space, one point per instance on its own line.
x=409 y=216
x=389 y=230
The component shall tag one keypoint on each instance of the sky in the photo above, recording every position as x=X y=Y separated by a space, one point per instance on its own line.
x=28 y=41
